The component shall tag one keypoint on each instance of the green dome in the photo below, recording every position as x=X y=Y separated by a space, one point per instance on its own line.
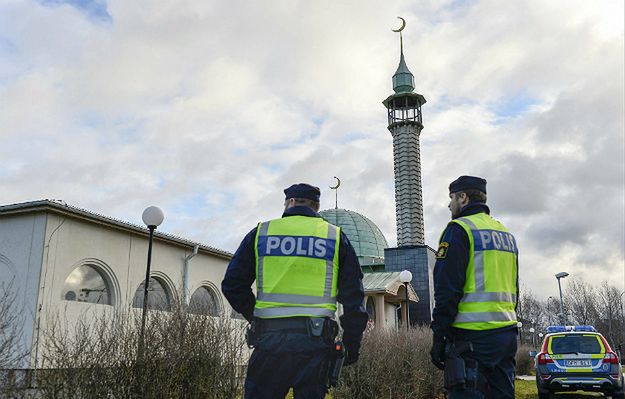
x=365 y=236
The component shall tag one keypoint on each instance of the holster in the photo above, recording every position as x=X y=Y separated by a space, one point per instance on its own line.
x=251 y=334
x=460 y=371
x=316 y=326
x=330 y=330
x=323 y=327
x=335 y=364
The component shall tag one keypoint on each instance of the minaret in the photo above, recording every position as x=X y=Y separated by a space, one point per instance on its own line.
x=405 y=125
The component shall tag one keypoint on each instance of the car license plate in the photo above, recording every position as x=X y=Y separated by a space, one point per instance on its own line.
x=578 y=363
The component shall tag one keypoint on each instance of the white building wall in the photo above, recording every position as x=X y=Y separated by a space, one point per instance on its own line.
x=21 y=251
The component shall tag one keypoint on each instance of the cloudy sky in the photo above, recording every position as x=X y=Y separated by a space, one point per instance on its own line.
x=209 y=109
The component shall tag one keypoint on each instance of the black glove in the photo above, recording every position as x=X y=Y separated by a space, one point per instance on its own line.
x=438 y=352
x=351 y=354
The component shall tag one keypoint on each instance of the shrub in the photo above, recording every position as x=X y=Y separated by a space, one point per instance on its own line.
x=524 y=363
x=184 y=356
x=12 y=351
x=394 y=365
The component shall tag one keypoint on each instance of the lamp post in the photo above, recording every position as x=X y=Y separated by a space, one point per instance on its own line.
x=540 y=336
x=152 y=217
x=558 y=277
x=406 y=277
x=622 y=316
x=533 y=337
x=520 y=327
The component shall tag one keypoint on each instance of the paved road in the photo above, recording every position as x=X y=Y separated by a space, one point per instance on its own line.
x=532 y=378
x=569 y=395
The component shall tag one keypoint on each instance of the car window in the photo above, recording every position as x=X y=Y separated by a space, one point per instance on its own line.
x=561 y=344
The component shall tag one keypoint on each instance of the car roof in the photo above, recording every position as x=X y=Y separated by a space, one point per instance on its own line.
x=574 y=333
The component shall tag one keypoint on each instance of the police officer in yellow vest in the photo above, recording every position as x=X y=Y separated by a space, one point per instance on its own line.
x=475 y=292
x=302 y=266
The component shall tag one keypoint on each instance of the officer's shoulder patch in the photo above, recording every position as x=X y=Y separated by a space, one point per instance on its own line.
x=442 y=250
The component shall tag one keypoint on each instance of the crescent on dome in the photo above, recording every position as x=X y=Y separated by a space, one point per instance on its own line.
x=403 y=25
x=338 y=183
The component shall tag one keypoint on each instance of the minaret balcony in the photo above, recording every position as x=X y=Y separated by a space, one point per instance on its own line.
x=404 y=109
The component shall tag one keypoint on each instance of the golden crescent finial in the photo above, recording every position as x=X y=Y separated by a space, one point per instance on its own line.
x=403 y=25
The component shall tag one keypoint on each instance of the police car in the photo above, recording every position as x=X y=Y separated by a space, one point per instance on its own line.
x=577 y=358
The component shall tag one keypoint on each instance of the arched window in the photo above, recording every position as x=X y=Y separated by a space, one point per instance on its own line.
x=87 y=284
x=371 y=308
x=205 y=300
x=159 y=297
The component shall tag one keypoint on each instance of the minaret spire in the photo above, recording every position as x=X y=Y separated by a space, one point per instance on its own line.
x=403 y=80
x=405 y=125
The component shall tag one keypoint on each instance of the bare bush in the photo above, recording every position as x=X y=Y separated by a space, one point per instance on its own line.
x=524 y=363
x=185 y=356
x=394 y=365
x=12 y=351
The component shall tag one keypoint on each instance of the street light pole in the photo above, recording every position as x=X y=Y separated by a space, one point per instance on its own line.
x=407 y=308
x=405 y=277
x=561 y=304
x=622 y=317
x=558 y=277
x=146 y=285
x=152 y=217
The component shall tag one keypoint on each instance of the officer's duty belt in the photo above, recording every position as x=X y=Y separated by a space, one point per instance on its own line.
x=286 y=324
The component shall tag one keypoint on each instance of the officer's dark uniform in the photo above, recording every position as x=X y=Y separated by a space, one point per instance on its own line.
x=286 y=355
x=493 y=349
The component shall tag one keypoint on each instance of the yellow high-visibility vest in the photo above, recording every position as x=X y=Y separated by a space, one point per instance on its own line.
x=491 y=279
x=296 y=267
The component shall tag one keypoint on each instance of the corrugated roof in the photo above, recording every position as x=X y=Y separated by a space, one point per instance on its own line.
x=63 y=208
x=387 y=283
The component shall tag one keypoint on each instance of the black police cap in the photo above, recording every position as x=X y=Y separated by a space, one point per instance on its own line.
x=303 y=190
x=468 y=183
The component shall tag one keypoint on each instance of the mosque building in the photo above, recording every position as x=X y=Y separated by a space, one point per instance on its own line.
x=379 y=262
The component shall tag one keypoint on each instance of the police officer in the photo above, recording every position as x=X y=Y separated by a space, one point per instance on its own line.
x=475 y=292
x=302 y=266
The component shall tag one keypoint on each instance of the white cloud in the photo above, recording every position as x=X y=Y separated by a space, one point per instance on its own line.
x=209 y=109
